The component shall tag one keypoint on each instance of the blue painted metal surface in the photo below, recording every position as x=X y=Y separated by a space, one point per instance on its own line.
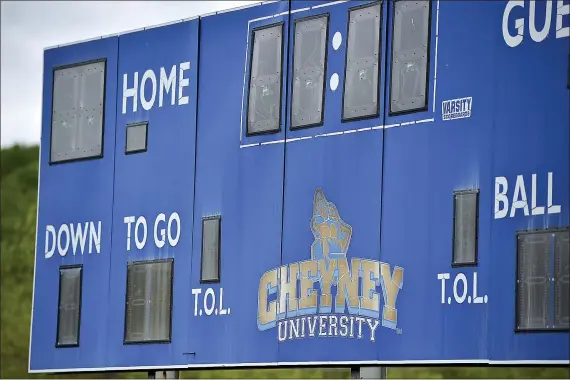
x=388 y=181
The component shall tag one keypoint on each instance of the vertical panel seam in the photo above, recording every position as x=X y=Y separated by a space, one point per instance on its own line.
x=110 y=270
x=196 y=108
x=384 y=47
x=285 y=128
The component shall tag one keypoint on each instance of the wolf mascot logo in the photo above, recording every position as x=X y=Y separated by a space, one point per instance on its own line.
x=332 y=234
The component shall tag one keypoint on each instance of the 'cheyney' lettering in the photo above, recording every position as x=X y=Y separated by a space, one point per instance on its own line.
x=289 y=292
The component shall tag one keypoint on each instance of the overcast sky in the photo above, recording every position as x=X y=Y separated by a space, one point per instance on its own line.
x=27 y=27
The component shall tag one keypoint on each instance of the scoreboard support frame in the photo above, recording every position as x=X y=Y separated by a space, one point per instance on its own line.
x=164 y=374
x=368 y=372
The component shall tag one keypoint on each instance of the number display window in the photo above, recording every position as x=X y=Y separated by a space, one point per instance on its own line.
x=78 y=112
x=136 y=139
x=265 y=82
x=543 y=280
x=69 y=308
x=465 y=227
x=309 y=60
x=148 y=315
x=362 y=69
x=210 y=260
x=410 y=56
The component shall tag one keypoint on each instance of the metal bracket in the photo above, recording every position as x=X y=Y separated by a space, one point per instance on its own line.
x=164 y=375
x=368 y=372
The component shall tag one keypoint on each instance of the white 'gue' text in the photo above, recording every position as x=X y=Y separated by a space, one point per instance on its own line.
x=560 y=11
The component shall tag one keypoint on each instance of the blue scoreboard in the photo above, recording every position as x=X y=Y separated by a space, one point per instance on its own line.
x=308 y=183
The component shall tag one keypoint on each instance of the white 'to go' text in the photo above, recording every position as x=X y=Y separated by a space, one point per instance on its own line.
x=161 y=235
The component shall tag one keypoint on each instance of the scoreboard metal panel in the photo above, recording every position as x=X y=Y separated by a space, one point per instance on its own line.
x=336 y=240
x=239 y=185
x=81 y=193
x=155 y=184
